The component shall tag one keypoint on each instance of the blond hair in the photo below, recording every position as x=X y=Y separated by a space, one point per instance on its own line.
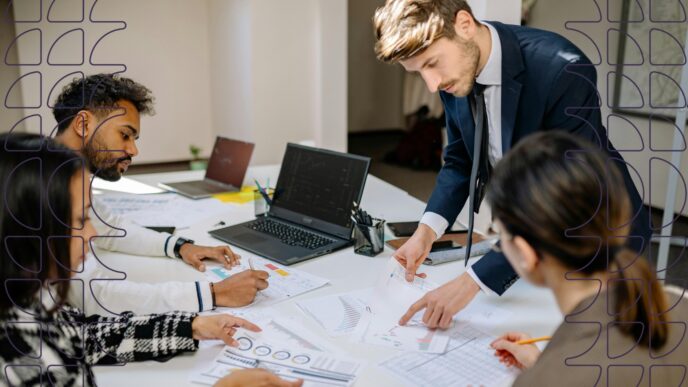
x=404 y=28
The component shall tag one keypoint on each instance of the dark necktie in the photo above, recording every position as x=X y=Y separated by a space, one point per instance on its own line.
x=480 y=170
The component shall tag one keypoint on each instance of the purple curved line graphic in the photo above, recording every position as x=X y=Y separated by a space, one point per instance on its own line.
x=83 y=48
x=678 y=87
x=626 y=36
x=637 y=89
x=672 y=37
x=83 y=14
x=685 y=190
x=683 y=11
x=673 y=125
x=609 y=125
x=83 y=92
x=14 y=42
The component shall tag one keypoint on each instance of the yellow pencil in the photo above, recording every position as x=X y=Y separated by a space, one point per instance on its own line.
x=534 y=340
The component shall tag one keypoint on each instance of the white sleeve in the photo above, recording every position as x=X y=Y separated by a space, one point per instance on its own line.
x=436 y=222
x=118 y=234
x=480 y=283
x=104 y=295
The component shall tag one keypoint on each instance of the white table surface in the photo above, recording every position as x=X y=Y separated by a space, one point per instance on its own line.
x=534 y=309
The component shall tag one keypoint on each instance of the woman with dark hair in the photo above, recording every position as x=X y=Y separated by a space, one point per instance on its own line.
x=564 y=216
x=44 y=237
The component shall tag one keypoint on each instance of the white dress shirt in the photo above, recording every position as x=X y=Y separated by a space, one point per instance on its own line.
x=118 y=295
x=491 y=77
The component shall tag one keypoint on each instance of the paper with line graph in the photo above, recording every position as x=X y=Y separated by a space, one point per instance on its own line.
x=284 y=282
x=340 y=313
x=391 y=298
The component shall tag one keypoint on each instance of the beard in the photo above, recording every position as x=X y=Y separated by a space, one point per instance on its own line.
x=101 y=161
x=472 y=54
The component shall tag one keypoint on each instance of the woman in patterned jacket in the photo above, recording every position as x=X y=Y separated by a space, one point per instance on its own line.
x=44 y=238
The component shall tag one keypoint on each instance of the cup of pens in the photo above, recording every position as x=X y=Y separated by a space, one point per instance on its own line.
x=262 y=199
x=369 y=233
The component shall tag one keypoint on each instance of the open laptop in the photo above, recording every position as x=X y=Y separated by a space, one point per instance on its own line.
x=311 y=211
x=226 y=170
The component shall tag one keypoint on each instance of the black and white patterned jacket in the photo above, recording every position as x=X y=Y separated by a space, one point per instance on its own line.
x=59 y=349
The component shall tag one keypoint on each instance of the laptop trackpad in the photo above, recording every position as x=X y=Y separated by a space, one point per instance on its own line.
x=250 y=238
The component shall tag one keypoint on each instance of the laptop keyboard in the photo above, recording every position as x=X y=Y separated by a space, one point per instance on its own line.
x=290 y=235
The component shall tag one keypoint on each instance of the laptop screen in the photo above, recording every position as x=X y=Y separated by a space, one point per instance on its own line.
x=229 y=161
x=320 y=185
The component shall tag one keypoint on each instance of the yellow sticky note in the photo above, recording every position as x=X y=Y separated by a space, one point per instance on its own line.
x=244 y=196
x=282 y=272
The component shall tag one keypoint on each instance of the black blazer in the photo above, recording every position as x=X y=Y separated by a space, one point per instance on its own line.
x=547 y=83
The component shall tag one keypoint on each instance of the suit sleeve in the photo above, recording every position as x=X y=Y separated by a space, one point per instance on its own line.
x=452 y=185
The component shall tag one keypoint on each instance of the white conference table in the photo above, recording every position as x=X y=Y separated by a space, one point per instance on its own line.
x=534 y=309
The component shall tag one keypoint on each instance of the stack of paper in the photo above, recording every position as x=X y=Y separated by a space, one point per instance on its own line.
x=391 y=299
x=165 y=209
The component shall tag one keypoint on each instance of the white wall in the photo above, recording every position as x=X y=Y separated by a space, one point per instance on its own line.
x=164 y=47
x=551 y=15
x=8 y=74
x=267 y=71
x=279 y=69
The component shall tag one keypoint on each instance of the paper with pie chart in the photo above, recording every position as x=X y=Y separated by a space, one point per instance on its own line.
x=391 y=298
x=284 y=352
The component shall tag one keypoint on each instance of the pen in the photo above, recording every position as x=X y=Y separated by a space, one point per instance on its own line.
x=250 y=263
x=263 y=193
x=534 y=340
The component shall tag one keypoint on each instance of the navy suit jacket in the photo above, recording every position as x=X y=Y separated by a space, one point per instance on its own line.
x=547 y=83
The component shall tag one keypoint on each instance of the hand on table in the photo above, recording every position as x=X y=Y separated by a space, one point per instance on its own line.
x=521 y=356
x=412 y=253
x=220 y=327
x=444 y=302
x=195 y=254
x=256 y=377
x=241 y=288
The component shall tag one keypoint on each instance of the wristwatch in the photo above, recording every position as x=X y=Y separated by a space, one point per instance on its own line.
x=178 y=246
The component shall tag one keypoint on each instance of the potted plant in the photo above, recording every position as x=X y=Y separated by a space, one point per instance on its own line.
x=196 y=162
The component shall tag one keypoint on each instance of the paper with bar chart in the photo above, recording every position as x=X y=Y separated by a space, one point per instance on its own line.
x=284 y=282
x=340 y=313
x=391 y=298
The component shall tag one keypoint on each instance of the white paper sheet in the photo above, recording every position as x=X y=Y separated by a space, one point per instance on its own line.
x=284 y=351
x=468 y=361
x=284 y=282
x=391 y=298
x=338 y=314
x=165 y=209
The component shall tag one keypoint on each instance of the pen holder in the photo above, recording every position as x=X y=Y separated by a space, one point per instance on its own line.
x=261 y=206
x=369 y=240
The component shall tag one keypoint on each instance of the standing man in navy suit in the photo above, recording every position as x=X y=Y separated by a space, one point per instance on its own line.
x=498 y=84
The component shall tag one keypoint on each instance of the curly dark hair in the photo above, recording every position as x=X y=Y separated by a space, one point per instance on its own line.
x=99 y=94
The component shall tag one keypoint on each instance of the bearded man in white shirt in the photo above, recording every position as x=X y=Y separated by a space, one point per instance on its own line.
x=99 y=116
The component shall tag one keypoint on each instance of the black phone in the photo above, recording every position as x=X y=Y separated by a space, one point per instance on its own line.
x=403 y=229
x=444 y=245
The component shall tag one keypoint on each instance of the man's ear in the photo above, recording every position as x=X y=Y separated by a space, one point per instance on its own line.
x=83 y=124
x=529 y=257
x=464 y=25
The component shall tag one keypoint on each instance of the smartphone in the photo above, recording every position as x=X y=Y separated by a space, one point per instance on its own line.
x=403 y=229
x=444 y=245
